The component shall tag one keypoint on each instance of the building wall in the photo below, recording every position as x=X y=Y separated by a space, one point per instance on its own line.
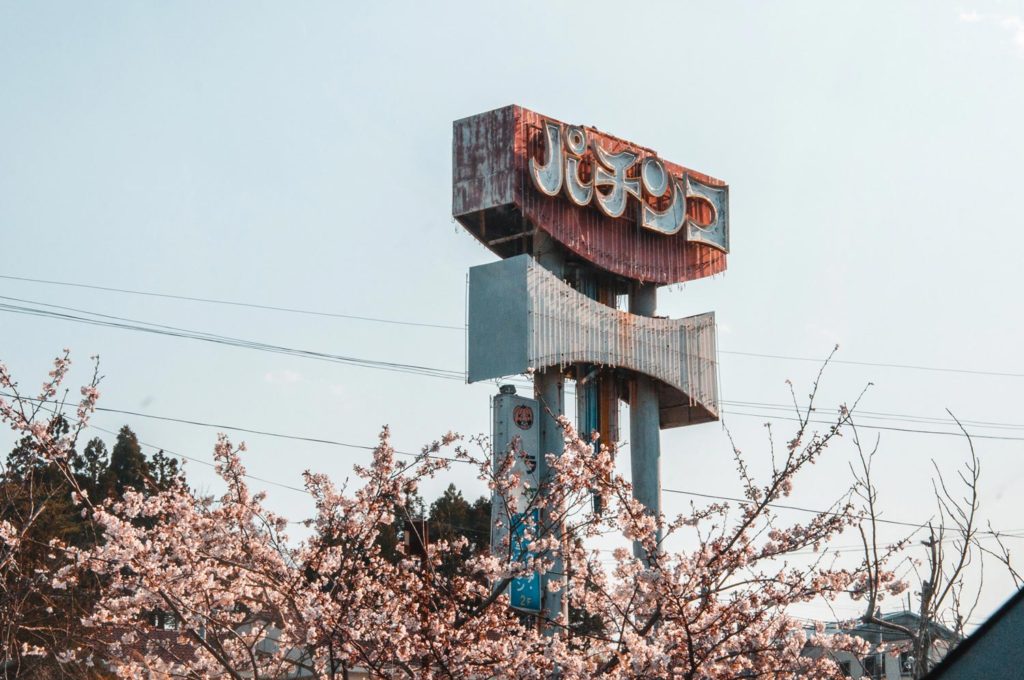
x=996 y=653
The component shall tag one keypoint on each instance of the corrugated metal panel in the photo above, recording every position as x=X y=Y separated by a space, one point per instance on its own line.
x=565 y=328
x=482 y=177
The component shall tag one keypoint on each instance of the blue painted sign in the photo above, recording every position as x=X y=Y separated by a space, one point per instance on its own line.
x=524 y=591
x=517 y=434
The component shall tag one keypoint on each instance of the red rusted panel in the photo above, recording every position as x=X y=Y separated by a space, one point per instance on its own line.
x=494 y=198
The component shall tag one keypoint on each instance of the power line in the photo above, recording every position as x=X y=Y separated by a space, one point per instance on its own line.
x=310 y=312
x=235 y=428
x=124 y=323
x=233 y=303
x=330 y=442
x=199 y=460
x=231 y=428
x=884 y=427
x=875 y=363
x=320 y=440
x=780 y=506
x=882 y=415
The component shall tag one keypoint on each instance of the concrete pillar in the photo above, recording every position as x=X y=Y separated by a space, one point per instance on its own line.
x=644 y=421
x=549 y=389
x=588 y=377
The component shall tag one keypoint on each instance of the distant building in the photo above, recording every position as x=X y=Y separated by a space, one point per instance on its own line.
x=896 y=663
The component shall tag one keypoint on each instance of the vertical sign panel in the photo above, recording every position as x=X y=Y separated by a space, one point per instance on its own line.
x=525 y=591
x=517 y=433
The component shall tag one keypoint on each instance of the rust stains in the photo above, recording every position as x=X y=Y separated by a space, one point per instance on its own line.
x=493 y=198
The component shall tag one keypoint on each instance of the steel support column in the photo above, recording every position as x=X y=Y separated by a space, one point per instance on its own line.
x=549 y=389
x=644 y=422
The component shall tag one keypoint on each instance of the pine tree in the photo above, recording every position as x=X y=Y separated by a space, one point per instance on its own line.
x=34 y=492
x=391 y=535
x=164 y=470
x=128 y=466
x=91 y=466
x=452 y=517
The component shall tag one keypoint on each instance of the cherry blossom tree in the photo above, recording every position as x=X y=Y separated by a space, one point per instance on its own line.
x=948 y=589
x=249 y=602
x=36 y=615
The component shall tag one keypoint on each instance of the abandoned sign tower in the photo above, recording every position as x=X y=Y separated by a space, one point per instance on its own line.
x=580 y=218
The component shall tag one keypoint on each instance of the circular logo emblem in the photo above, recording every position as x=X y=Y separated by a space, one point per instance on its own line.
x=523 y=417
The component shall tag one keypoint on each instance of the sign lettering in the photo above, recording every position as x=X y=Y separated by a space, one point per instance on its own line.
x=608 y=181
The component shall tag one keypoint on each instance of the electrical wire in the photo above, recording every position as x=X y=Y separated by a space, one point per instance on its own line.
x=912 y=367
x=123 y=323
x=233 y=303
x=161 y=329
x=880 y=415
x=781 y=506
x=230 y=428
x=883 y=427
x=330 y=442
x=462 y=328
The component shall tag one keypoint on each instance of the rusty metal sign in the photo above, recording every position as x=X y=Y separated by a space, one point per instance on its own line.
x=612 y=203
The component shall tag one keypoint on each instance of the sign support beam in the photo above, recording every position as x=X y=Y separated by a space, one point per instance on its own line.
x=549 y=390
x=644 y=422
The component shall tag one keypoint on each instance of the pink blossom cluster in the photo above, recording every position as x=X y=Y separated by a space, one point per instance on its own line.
x=251 y=603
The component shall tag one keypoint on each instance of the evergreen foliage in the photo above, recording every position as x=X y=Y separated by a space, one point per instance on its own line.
x=33 y=487
x=128 y=468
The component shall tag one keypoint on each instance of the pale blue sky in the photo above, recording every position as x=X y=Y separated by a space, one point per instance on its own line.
x=299 y=155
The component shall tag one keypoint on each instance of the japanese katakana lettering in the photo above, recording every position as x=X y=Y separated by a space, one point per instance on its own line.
x=605 y=178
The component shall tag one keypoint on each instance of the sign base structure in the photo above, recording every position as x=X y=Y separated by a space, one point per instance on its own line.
x=515 y=443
